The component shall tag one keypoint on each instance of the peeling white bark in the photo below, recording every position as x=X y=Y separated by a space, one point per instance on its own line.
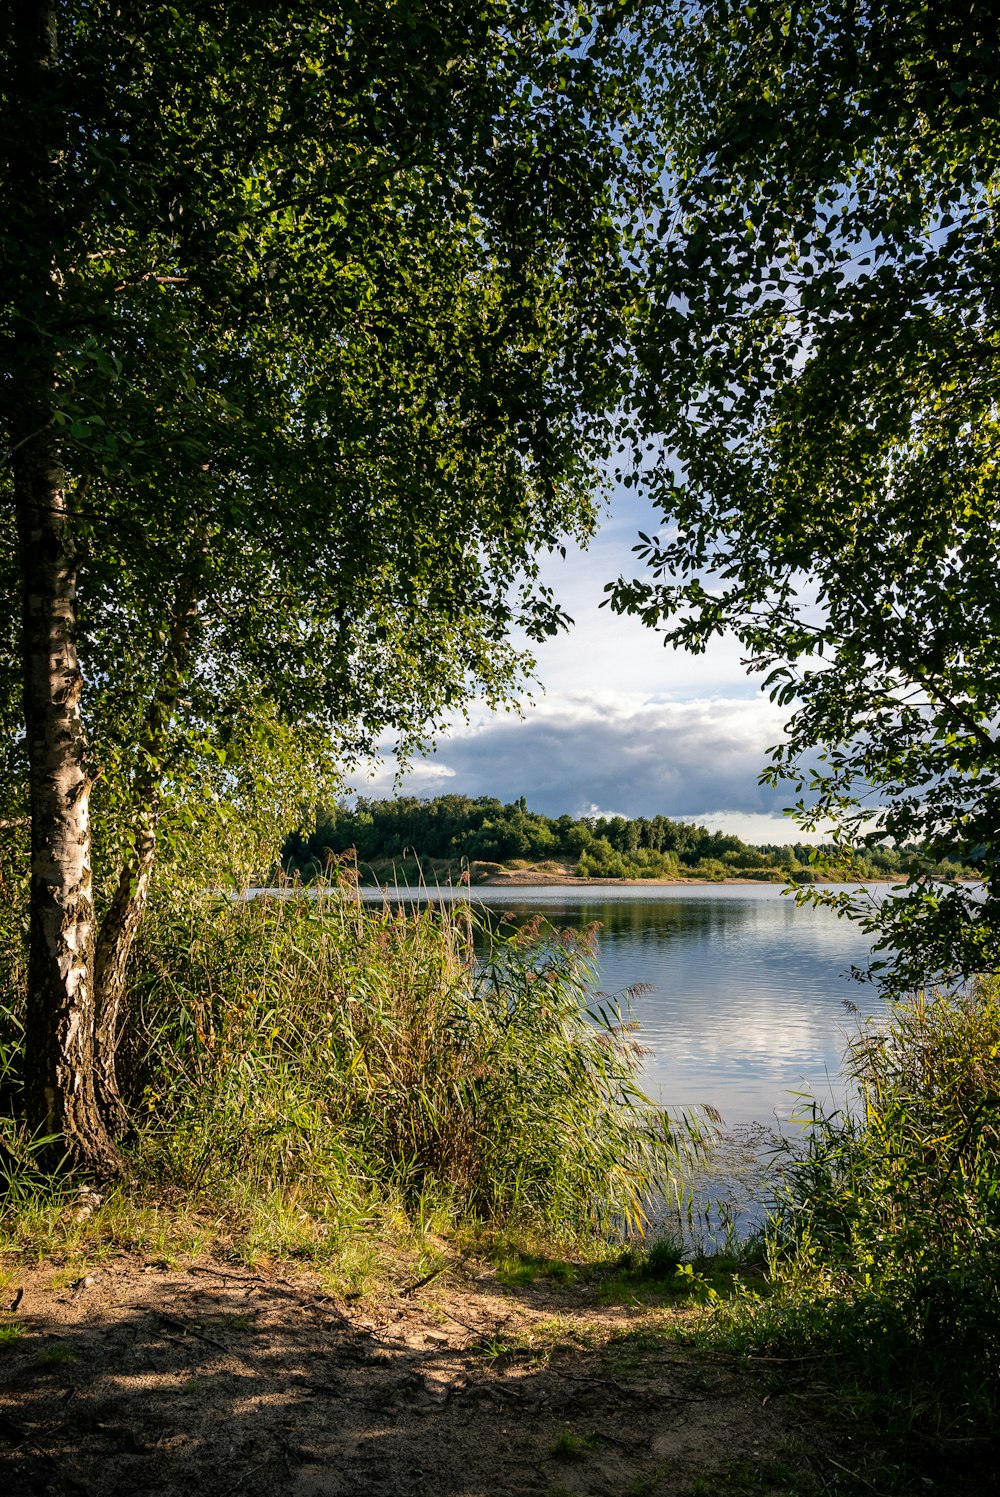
x=60 y=1021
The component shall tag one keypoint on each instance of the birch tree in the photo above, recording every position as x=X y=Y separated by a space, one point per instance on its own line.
x=312 y=319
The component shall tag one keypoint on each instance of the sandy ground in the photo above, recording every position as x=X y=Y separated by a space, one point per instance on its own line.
x=494 y=875
x=136 y=1378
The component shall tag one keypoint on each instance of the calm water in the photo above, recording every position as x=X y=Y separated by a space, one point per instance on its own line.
x=747 y=995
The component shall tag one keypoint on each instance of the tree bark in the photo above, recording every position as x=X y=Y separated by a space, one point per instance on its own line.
x=114 y=945
x=123 y=915
x=60 y=1098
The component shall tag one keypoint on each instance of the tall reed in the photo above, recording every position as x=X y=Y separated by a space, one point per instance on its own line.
x=344 y=1051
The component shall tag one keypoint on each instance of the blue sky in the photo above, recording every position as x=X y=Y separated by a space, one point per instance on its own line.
x=618 y=723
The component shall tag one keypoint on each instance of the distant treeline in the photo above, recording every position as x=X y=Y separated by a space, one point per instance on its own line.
x=408 y=836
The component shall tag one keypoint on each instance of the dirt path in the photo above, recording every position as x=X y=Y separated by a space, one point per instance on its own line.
x=133 y=1378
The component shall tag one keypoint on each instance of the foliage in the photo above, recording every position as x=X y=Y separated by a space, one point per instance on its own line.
x=393 y=837
x=329 y=1051
x=887 y=1226
x=819 y=385
x=909 y=1186
x=312 y=343
x=321 y=359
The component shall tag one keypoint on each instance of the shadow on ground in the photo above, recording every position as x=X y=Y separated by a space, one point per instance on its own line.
x=134 y=1379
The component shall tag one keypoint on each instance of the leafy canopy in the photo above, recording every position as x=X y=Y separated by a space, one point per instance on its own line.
x=336 y=308
x=819 y=381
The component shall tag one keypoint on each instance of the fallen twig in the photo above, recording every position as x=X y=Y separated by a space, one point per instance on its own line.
x=10 y=1427
x=811 y=1356
x=435 y=1273
x=190 y=1330
x=476 y=1330
x=306 y=1301
x=239 y=1278
x=241 y=1479
x=852 y=1474
x=610 y=1382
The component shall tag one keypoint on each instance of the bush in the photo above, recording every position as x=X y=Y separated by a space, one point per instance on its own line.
x=886 y=1233
x=602 y=861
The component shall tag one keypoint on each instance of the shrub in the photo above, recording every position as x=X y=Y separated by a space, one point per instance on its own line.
x=886 y=1232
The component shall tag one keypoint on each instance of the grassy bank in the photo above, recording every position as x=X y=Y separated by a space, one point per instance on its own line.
x=884 y=1243
x=353 y=1088
x=305 y=1071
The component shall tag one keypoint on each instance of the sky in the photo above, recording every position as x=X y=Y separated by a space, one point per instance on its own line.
x=618 y=724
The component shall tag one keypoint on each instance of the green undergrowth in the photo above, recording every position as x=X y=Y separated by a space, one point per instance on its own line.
x=645 y=1273
x=311 y=1075
x=885 y=1242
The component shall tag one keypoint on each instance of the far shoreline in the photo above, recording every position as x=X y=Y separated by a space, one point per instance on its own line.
x=526 y=879
x=535 y=878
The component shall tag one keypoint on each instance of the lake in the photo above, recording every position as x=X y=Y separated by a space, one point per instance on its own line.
x=747 y=995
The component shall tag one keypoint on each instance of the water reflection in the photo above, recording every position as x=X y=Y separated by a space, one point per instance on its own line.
x=747 y=996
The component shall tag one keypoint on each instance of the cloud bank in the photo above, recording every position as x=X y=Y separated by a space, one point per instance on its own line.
x=618 y=753
x=626 y=726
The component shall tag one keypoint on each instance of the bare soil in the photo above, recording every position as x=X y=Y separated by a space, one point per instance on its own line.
x=207 y=1378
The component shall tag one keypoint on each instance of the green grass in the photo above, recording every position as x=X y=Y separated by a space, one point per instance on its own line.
x=308 y=1076
x=644 y=1484
x=775 y=1477
x=56 y=1356
x=570 y=1447
x=519 y=1266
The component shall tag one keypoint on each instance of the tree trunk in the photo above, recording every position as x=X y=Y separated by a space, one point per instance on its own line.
x=123 y=915
x=114 y=946
x=60 y=1098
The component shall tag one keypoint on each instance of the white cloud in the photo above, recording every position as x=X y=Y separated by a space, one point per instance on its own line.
x=604 y=651
x=618 y=723
x=616 y=751
x=758 y=827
